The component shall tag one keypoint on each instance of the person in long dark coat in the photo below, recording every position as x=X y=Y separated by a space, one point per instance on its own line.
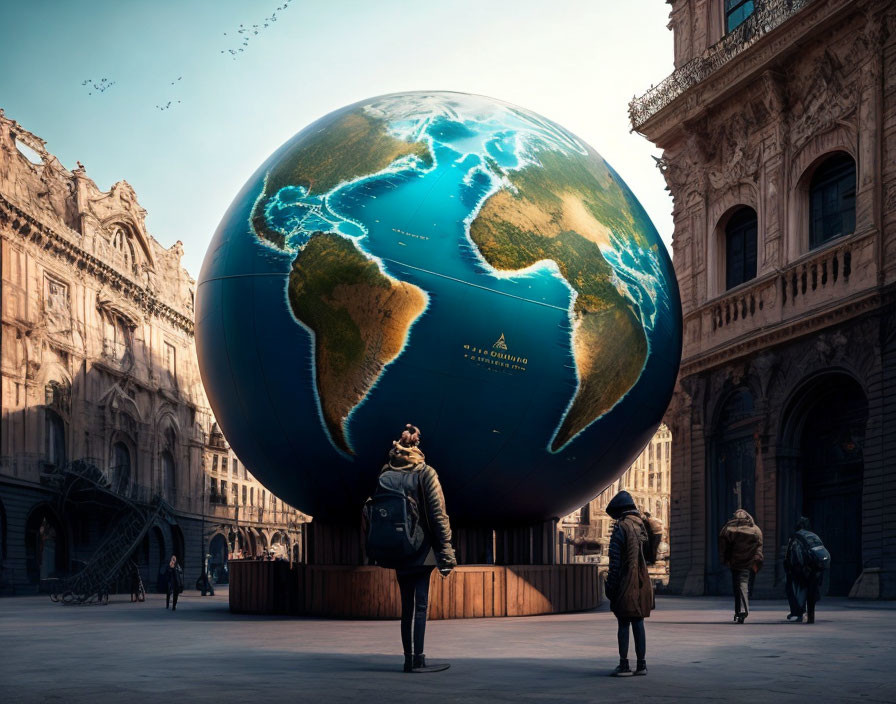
x=409 y=468
x=628 y=585
x=174 y=576
x=804 y=580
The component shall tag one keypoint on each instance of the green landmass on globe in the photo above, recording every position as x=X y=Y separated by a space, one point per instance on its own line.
x=561 y=209
x=354 y=145
x=360 y=318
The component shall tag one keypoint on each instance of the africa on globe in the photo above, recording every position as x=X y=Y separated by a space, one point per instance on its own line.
x=452 y=261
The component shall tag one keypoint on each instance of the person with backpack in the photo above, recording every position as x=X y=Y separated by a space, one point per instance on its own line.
x=628 y=585
x=805 y=562
x=407 y=529
x=740 y=549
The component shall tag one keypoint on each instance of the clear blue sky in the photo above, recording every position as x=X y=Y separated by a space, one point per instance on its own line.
x=575 y=62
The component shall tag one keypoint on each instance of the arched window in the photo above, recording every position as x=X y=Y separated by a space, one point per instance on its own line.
x=832 y=200
x=168 y=475
x=55 y=436
x=740 y=247
x=120 y=472
x=736 y=11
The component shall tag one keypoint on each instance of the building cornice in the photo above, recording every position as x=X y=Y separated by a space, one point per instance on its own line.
x=772 y=33
x=50 y=239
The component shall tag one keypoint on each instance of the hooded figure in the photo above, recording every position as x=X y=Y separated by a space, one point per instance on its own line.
x=740 y=549
x=804 y=575
x=628 y=585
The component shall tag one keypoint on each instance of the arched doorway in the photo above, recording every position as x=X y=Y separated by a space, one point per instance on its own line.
x=732 y=478
x=821 y=476
x=46 y=548
x=217 y=561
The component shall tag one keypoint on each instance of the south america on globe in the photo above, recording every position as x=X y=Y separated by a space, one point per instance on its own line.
x=451 y=261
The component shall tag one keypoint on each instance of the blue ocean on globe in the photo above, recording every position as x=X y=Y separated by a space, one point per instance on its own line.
x=450 y=261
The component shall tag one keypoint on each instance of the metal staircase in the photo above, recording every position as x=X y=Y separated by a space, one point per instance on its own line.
x=91 y=585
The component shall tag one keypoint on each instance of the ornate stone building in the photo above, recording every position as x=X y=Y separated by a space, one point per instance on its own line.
x=778 y=130
x=99 y=377
x=647 y=480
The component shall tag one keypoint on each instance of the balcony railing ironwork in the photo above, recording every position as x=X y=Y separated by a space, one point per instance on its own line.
x=768 y=15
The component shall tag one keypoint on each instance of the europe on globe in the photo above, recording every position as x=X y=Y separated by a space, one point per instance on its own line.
x=451 y=261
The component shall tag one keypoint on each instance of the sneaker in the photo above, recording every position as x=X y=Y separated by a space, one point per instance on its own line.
x=641 y=669
x=741 y=618
x=622 y=670
x=795 y=618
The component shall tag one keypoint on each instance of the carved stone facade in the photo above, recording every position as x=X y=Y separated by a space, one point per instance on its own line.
x=647 y=480
x=98 y=365
x=786 y=401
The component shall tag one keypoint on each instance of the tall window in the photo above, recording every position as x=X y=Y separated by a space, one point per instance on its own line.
x=120 y=474
x=832 y=200
x=169 y=475
x=223 y=492
x=740 y=247
x=55 y=434
x=171 y=362
x=736 y=11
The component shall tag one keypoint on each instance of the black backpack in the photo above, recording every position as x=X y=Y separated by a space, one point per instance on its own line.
x=818 y=559
x=392 y=516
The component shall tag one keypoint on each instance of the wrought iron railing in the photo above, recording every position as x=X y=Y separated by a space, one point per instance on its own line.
x=768 y=15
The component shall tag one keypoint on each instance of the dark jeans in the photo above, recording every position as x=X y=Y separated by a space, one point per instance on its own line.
x=740 y=582
x=637 y=625
x=168 y=597
x=414 y=588
x=802 y=595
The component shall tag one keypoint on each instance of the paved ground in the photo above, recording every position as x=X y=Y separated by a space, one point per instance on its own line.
x=142 y=653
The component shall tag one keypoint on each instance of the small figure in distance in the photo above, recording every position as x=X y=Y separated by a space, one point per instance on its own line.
x=740 y=549
x=407 y=529
x=628 y=584
x=175 y=577
x=805 y=562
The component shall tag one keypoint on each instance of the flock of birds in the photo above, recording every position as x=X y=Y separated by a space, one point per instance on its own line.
x=100 y=86
x=244 y=33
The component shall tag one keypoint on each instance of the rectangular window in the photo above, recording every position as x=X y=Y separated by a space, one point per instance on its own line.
x=236 y=493
x=252 y=496
x=171 y=361
x=235 y=467
x=214 y=464
x=223 y=492
x=213 y=490
x=736 y=11
x=245 y=494
x=261 y=502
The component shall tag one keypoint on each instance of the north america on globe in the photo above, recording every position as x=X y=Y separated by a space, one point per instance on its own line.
x=532 y=196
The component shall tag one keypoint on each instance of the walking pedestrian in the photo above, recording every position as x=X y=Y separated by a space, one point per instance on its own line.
x=175 y=578
x=740 y=549
x=628 y=585
x=805 y=562
x=408 y=530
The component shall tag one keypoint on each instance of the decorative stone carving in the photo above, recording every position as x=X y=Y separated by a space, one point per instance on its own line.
x=825 y=98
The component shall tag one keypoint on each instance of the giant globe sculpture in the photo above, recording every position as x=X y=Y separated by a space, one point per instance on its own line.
x=447 y=260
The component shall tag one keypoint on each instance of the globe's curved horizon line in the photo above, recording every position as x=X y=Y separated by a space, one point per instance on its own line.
x=533 y=203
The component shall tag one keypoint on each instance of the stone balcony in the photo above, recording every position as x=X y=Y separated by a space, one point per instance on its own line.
x=782 y=303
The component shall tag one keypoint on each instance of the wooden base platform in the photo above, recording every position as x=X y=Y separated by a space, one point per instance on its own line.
x=471 y=591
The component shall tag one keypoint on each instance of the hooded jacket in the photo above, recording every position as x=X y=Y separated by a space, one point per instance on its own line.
x=628 y=585
x=437 y=549
x=740 y=542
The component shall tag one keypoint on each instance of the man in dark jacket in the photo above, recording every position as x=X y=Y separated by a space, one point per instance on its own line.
x=174 y=576
x=407 y=471
x=803 y=575
x=628 y=585
x=740 y=549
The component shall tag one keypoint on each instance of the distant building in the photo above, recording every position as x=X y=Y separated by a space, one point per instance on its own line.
x=647 y=480
x=778 y=131
x=102 y=405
